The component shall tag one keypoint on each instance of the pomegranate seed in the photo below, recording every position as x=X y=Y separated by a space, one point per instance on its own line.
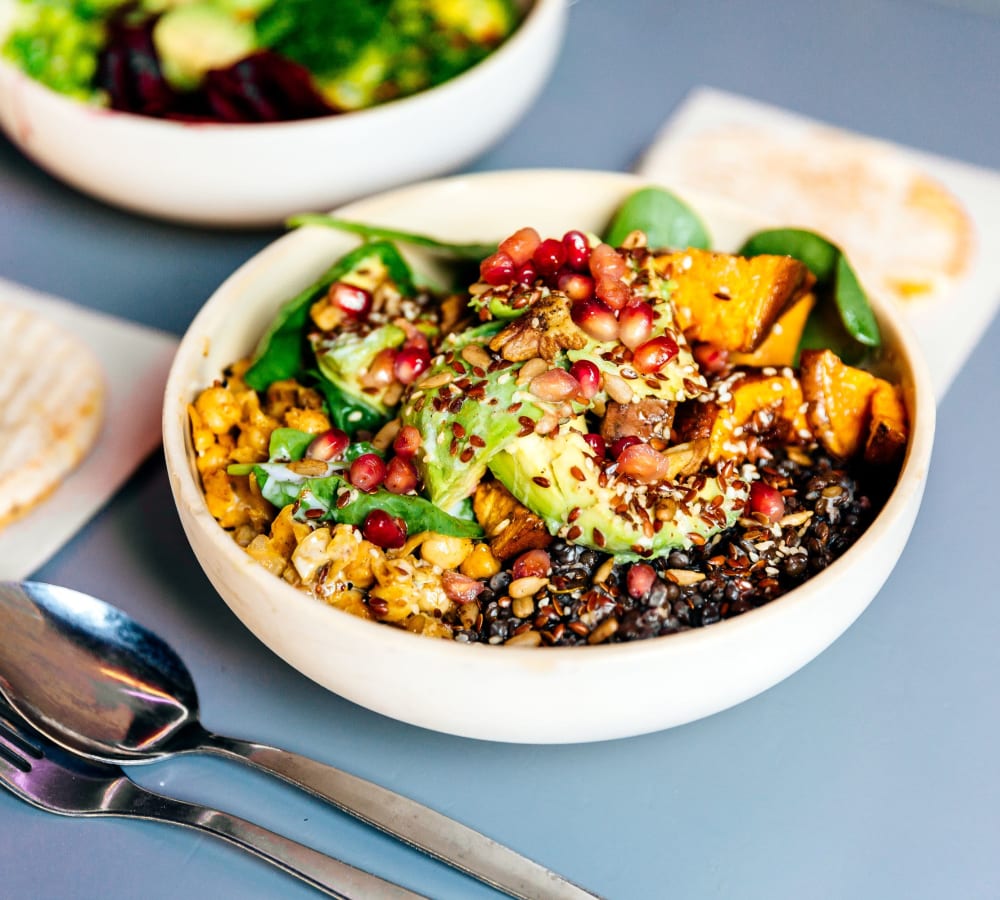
x=613 y=291
x=460 y=588
x=605 y=261
x=534 y=563
x=766 y=501
x=577 y=249
x=554 y=385
x=640 y=579
x=381 y=372
x=597 y=444
x=383 y=530
x=711 y=359
x=588 y=376
x=497 y=269
x=576 y=286
x=407 y=442
x=526 y=274
x=328 y=445
x=400 y=476
x=410 y=364
x=642 y=462
x=635 y=324
x=521 y=245
x=367 y=472
x=617 y=446
x=350 y=299
x=654 y=355
x=549 y=256
x=596 y=319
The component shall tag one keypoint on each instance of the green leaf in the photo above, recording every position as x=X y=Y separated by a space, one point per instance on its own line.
x=473 y=252
x=280 y=486
x=283 y=350
x=346 y=412
x=666 y=220
x=835 y=278
x=288 y=444
x=322 y=36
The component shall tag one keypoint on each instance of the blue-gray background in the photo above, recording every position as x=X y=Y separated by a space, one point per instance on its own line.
x=871 y=773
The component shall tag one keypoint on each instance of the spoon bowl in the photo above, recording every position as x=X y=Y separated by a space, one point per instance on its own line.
x=122 y=696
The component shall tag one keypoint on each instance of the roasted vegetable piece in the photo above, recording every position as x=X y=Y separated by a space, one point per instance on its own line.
x=510 y=527
x=730 y=301
x=781 y=346
x=645 y=418
x=764 y=409
x=888 y=429
x=838 y=400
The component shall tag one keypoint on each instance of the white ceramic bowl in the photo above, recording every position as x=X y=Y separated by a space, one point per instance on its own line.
x=544 y=695
x=250 y=175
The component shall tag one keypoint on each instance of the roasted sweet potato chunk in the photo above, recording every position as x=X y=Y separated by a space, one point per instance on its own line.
x=646 y=418
x=888 y=429
x=731 y=301
x=510 y=527
x=762 y=409
x=838 y=399
x=782 y=341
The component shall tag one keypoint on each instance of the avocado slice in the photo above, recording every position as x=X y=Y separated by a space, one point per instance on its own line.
x=468 y=414
x=194 y=38
x=347 y=355
x=556 y=478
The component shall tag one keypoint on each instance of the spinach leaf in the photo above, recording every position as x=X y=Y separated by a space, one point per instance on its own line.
x=470 y=252
x=346 y=412
x=288 y=444
x=834 y=277
x=665 y=218
x=282 y=351
x=280 y=487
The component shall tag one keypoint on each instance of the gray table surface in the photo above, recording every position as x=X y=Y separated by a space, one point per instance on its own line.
x=870 y=773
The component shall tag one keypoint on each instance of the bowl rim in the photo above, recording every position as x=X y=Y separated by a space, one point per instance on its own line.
x=527 y=27
x=481 y=656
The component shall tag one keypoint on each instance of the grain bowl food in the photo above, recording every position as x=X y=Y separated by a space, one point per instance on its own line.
x=602 y=439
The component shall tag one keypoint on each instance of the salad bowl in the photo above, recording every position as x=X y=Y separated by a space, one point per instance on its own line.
x=258 y=174
x=549 y=694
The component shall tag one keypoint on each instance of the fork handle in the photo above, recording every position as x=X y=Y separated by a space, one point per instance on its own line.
x=333 y=877
x=411 y=822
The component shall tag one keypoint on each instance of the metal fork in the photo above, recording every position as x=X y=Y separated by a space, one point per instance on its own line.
x=38 y=771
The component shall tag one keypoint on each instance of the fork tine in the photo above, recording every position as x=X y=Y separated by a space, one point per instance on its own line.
x=16 y=746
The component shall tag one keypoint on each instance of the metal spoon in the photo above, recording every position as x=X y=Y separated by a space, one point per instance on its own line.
x=101 y=685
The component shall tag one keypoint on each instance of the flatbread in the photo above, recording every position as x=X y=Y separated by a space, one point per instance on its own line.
x=52 y=397
x=905 y=233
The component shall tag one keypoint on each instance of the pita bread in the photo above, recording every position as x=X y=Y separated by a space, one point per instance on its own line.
x=51 y=407
x=905 y=233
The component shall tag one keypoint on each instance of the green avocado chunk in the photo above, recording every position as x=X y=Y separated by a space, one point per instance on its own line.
x=470 y=414
x=556 y=478
x=194 y=38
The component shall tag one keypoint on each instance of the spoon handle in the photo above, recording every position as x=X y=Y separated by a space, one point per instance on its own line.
x=329 y=875
x=405 y=819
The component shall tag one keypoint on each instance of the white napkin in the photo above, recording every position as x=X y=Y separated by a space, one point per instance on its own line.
x=136 y=360
x=947 y=326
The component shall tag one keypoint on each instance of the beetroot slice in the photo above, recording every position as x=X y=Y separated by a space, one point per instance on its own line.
x=263 y=87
